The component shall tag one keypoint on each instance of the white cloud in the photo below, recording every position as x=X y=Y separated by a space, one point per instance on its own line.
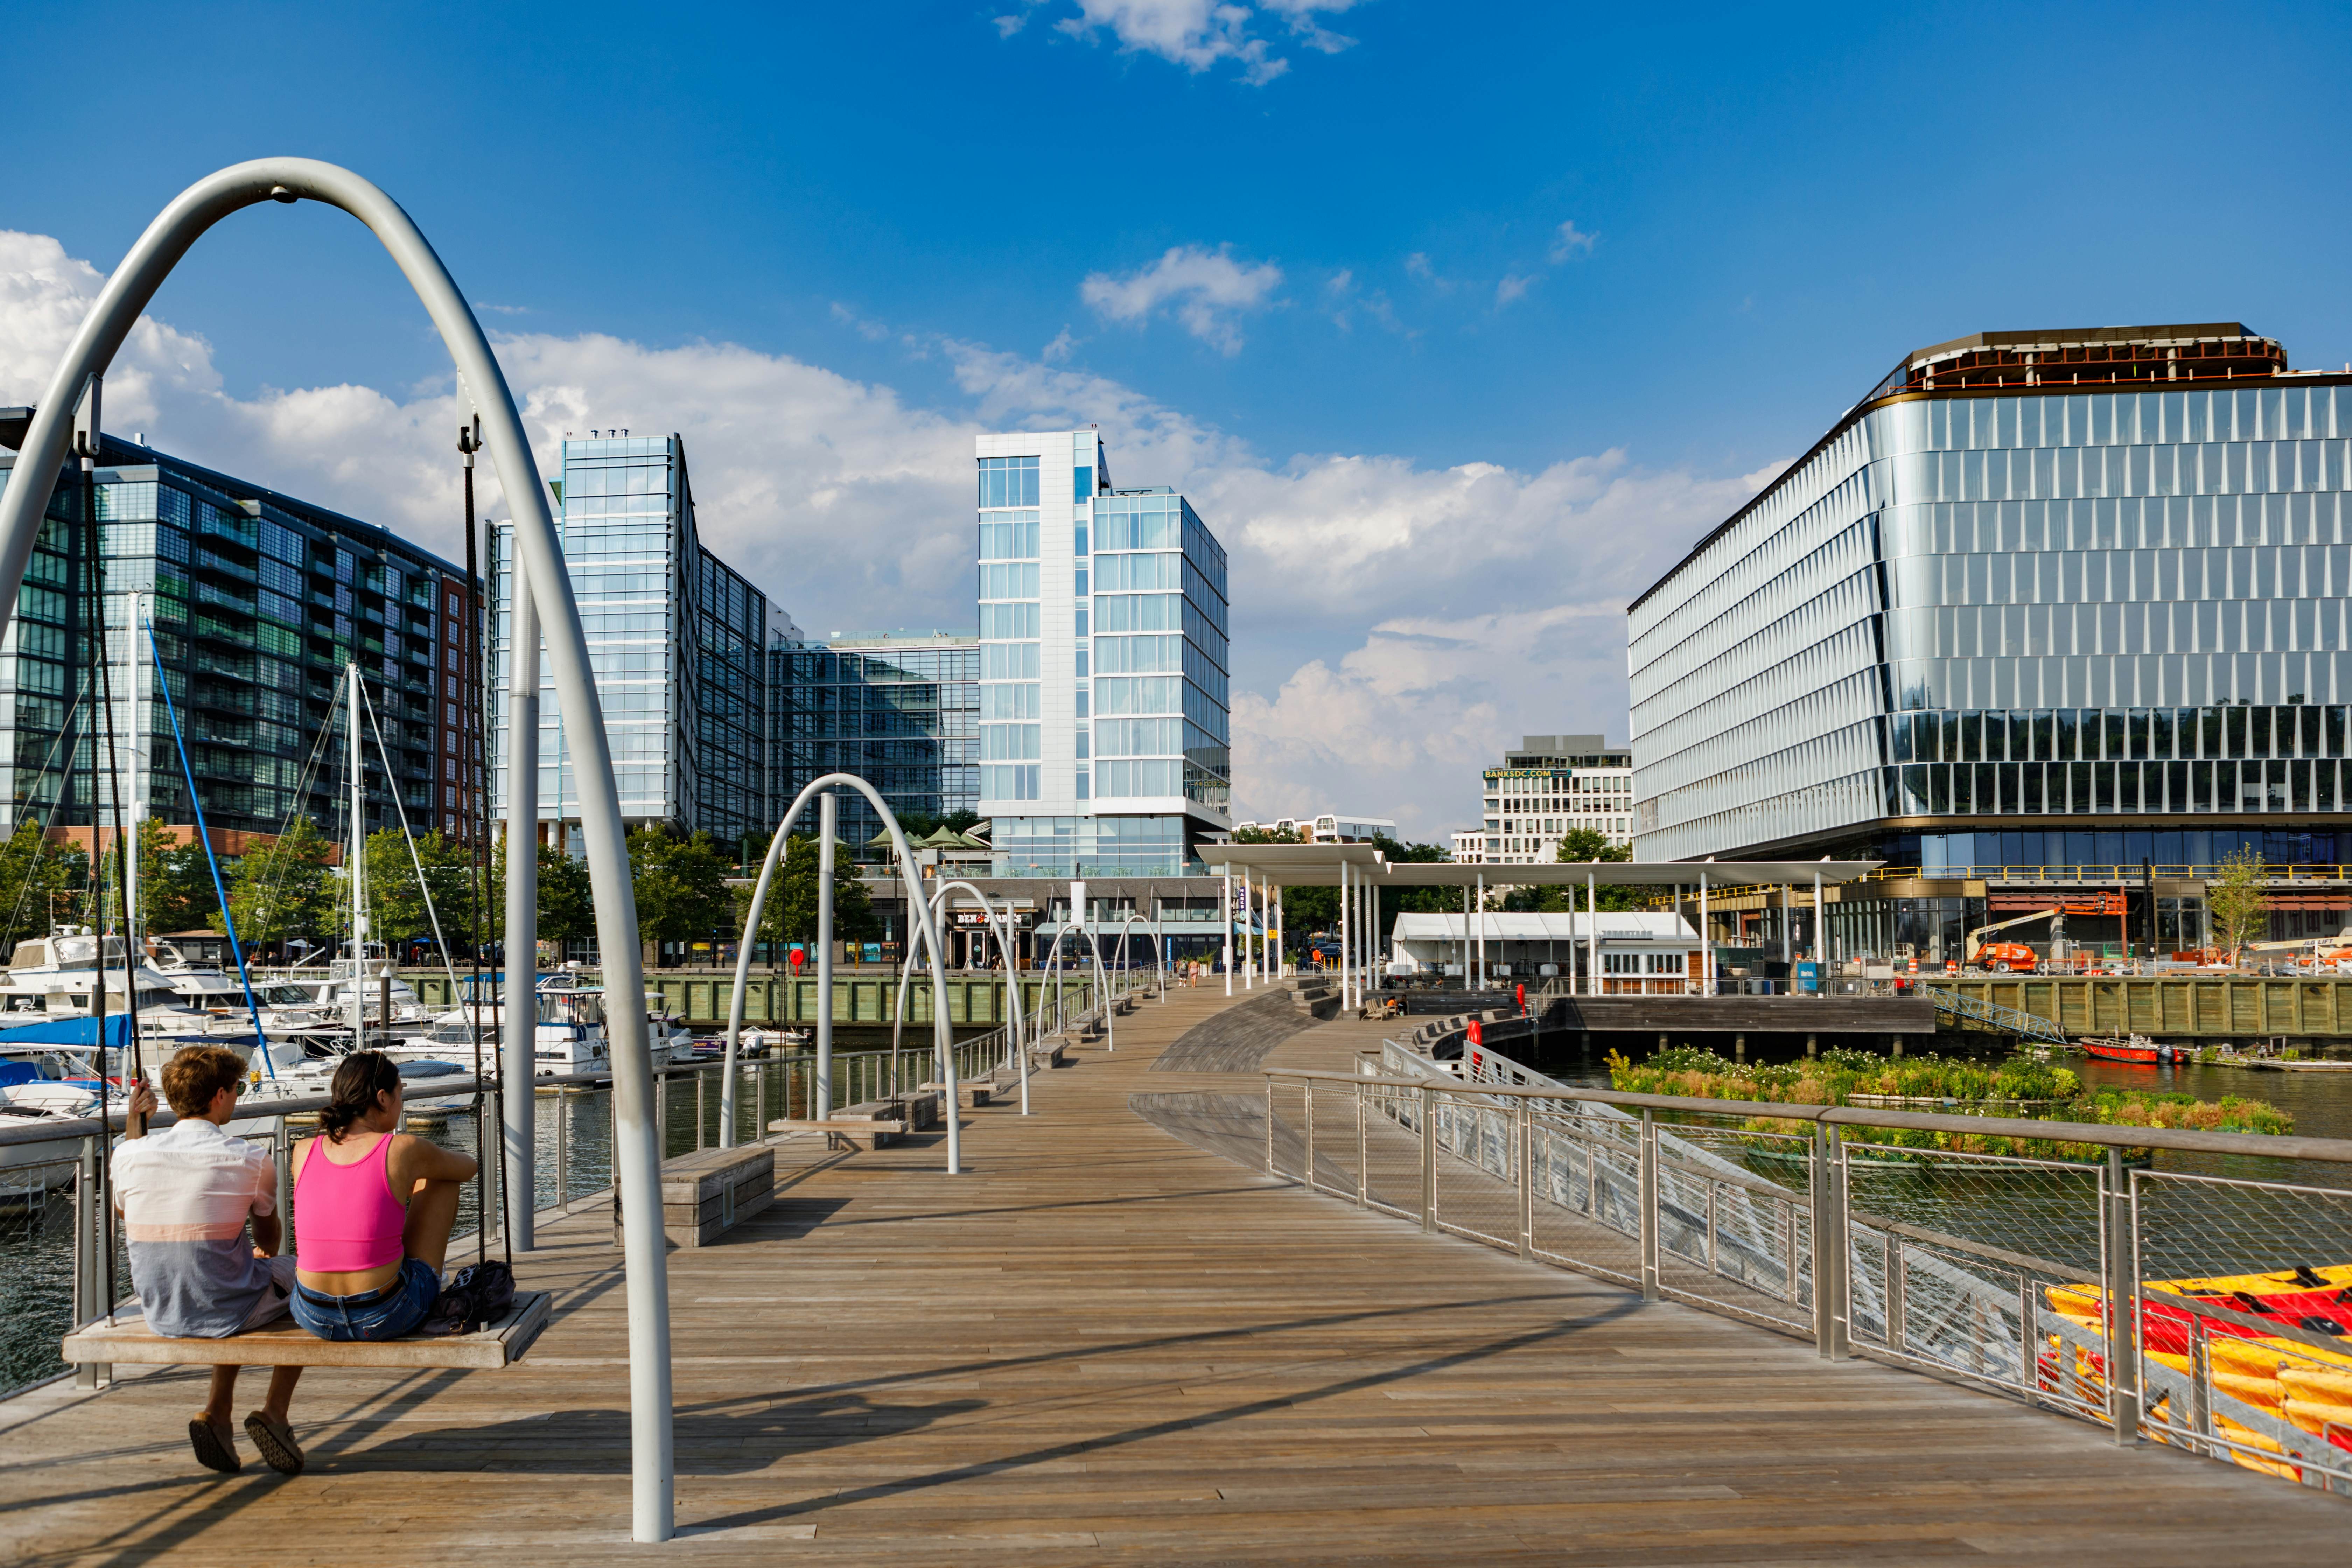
x=1513 y=287
x=1199 y=34
x=1568 y=240
x=1493 y=595
x=1208 y=291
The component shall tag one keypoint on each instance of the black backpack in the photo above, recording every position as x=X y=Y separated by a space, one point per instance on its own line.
x=477 y=1294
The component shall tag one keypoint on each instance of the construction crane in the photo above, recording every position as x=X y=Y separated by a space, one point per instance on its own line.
x=2012 y=956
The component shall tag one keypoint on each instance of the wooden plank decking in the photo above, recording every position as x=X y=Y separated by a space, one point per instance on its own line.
x=1109 y=1343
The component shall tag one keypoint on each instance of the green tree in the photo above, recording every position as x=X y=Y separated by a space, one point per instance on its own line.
x=567 y=899
x=681 y=886
x=284 y=889
x=32 y=872
x=176 y=886
x=396 y=910
x=1578 y=847
x=1265 y=835
x=791 y=912
x=2237 y=901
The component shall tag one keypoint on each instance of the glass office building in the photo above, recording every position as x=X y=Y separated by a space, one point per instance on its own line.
x=678 y=641
x=2045 y=609
x=1104 y=742
x=259 y=602
x=900 y=710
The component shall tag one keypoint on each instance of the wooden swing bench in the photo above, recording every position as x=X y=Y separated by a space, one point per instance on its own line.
x=284 y=1343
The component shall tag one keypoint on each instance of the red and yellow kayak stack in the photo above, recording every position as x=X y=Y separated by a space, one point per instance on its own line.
x=2301 y=1382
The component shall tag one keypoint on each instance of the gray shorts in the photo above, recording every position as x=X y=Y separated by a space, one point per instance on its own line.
x=277 y=1297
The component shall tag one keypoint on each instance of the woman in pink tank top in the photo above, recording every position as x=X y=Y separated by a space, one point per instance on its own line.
x=373 y=1210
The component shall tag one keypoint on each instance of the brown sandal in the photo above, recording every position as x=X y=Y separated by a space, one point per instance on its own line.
x=214 y=1452
x=275 y=1440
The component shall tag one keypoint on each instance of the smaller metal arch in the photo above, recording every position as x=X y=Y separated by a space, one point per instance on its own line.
x=1001 y=931
x=1159 y=956
x=1102 y=979
x=918 y=909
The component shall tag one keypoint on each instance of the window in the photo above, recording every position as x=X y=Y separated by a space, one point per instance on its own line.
x=1008 y=481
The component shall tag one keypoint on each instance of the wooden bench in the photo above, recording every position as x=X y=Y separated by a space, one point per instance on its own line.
x=285 y=1343
x=1046 y=1056
x=708 y=1193
x=971 y=1093
x=846 y=1132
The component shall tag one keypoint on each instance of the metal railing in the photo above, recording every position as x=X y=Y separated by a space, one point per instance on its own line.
x=1885 y=1234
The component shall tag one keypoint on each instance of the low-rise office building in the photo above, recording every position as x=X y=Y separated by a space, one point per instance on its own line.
x=2044 y=612
x=1547 y=786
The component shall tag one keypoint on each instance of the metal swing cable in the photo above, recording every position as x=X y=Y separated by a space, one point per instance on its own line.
x=122 y=864
x=482 y=1166
x=472 y=658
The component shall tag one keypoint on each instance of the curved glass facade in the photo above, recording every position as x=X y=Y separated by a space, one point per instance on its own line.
x=2032 y=604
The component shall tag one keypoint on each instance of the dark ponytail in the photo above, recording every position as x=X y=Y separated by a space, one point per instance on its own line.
x=364 y=1076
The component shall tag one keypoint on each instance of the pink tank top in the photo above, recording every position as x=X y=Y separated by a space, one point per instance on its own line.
x=345 y=1217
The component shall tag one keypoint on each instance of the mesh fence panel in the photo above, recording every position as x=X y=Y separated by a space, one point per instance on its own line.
x=2245 y=1320
x=1728 y=1235
x=1587 y=1170
x=1975 y=1263
x=1477 y=1169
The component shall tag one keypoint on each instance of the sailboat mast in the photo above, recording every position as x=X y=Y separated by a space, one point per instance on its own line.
x=135 y=732
x=357 y=867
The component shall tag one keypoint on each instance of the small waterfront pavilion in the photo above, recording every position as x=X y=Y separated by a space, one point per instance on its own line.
x=1360 y=870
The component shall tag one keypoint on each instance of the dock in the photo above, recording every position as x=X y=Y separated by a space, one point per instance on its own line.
x=1117 y=1339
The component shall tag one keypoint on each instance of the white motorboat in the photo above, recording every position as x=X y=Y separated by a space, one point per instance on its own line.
x=35 y=1089
x=568 y=1037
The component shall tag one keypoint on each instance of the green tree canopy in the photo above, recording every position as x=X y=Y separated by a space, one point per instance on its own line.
x=284 y=889
x=176 y=886
x=567 y=899
x=1577 y=847
x=791 y=912
x=396 y=910
x=681 y=886
x=2238 y=901
x=32 y=872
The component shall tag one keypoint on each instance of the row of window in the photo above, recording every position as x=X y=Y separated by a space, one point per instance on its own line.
x=2139 y=734
x=1990 y=789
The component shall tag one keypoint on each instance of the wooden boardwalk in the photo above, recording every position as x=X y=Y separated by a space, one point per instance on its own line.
x=1109 y=1343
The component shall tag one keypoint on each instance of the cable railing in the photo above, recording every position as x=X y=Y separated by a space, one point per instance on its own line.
x=1982 y=1249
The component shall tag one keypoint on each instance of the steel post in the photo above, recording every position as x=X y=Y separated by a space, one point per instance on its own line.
x=1524 y=1129
x=828 y=821
x=1428 y=1157
x=2122 y=1303
x=1646 y=1201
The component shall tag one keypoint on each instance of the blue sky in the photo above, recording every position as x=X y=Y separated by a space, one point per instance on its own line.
x=1459 y=323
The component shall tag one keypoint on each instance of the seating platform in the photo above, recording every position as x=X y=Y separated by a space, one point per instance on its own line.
x=847 y=1131
x=284 y=1343
x=706 y=1194
x=971 y=1093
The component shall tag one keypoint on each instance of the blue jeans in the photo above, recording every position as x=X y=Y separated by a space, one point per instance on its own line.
x=385 y=1312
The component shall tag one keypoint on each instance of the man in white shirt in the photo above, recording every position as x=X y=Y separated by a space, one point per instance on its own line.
x=186 y=1195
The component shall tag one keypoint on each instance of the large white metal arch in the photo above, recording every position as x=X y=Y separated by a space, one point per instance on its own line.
x=637 y=1156
x=919 y=909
